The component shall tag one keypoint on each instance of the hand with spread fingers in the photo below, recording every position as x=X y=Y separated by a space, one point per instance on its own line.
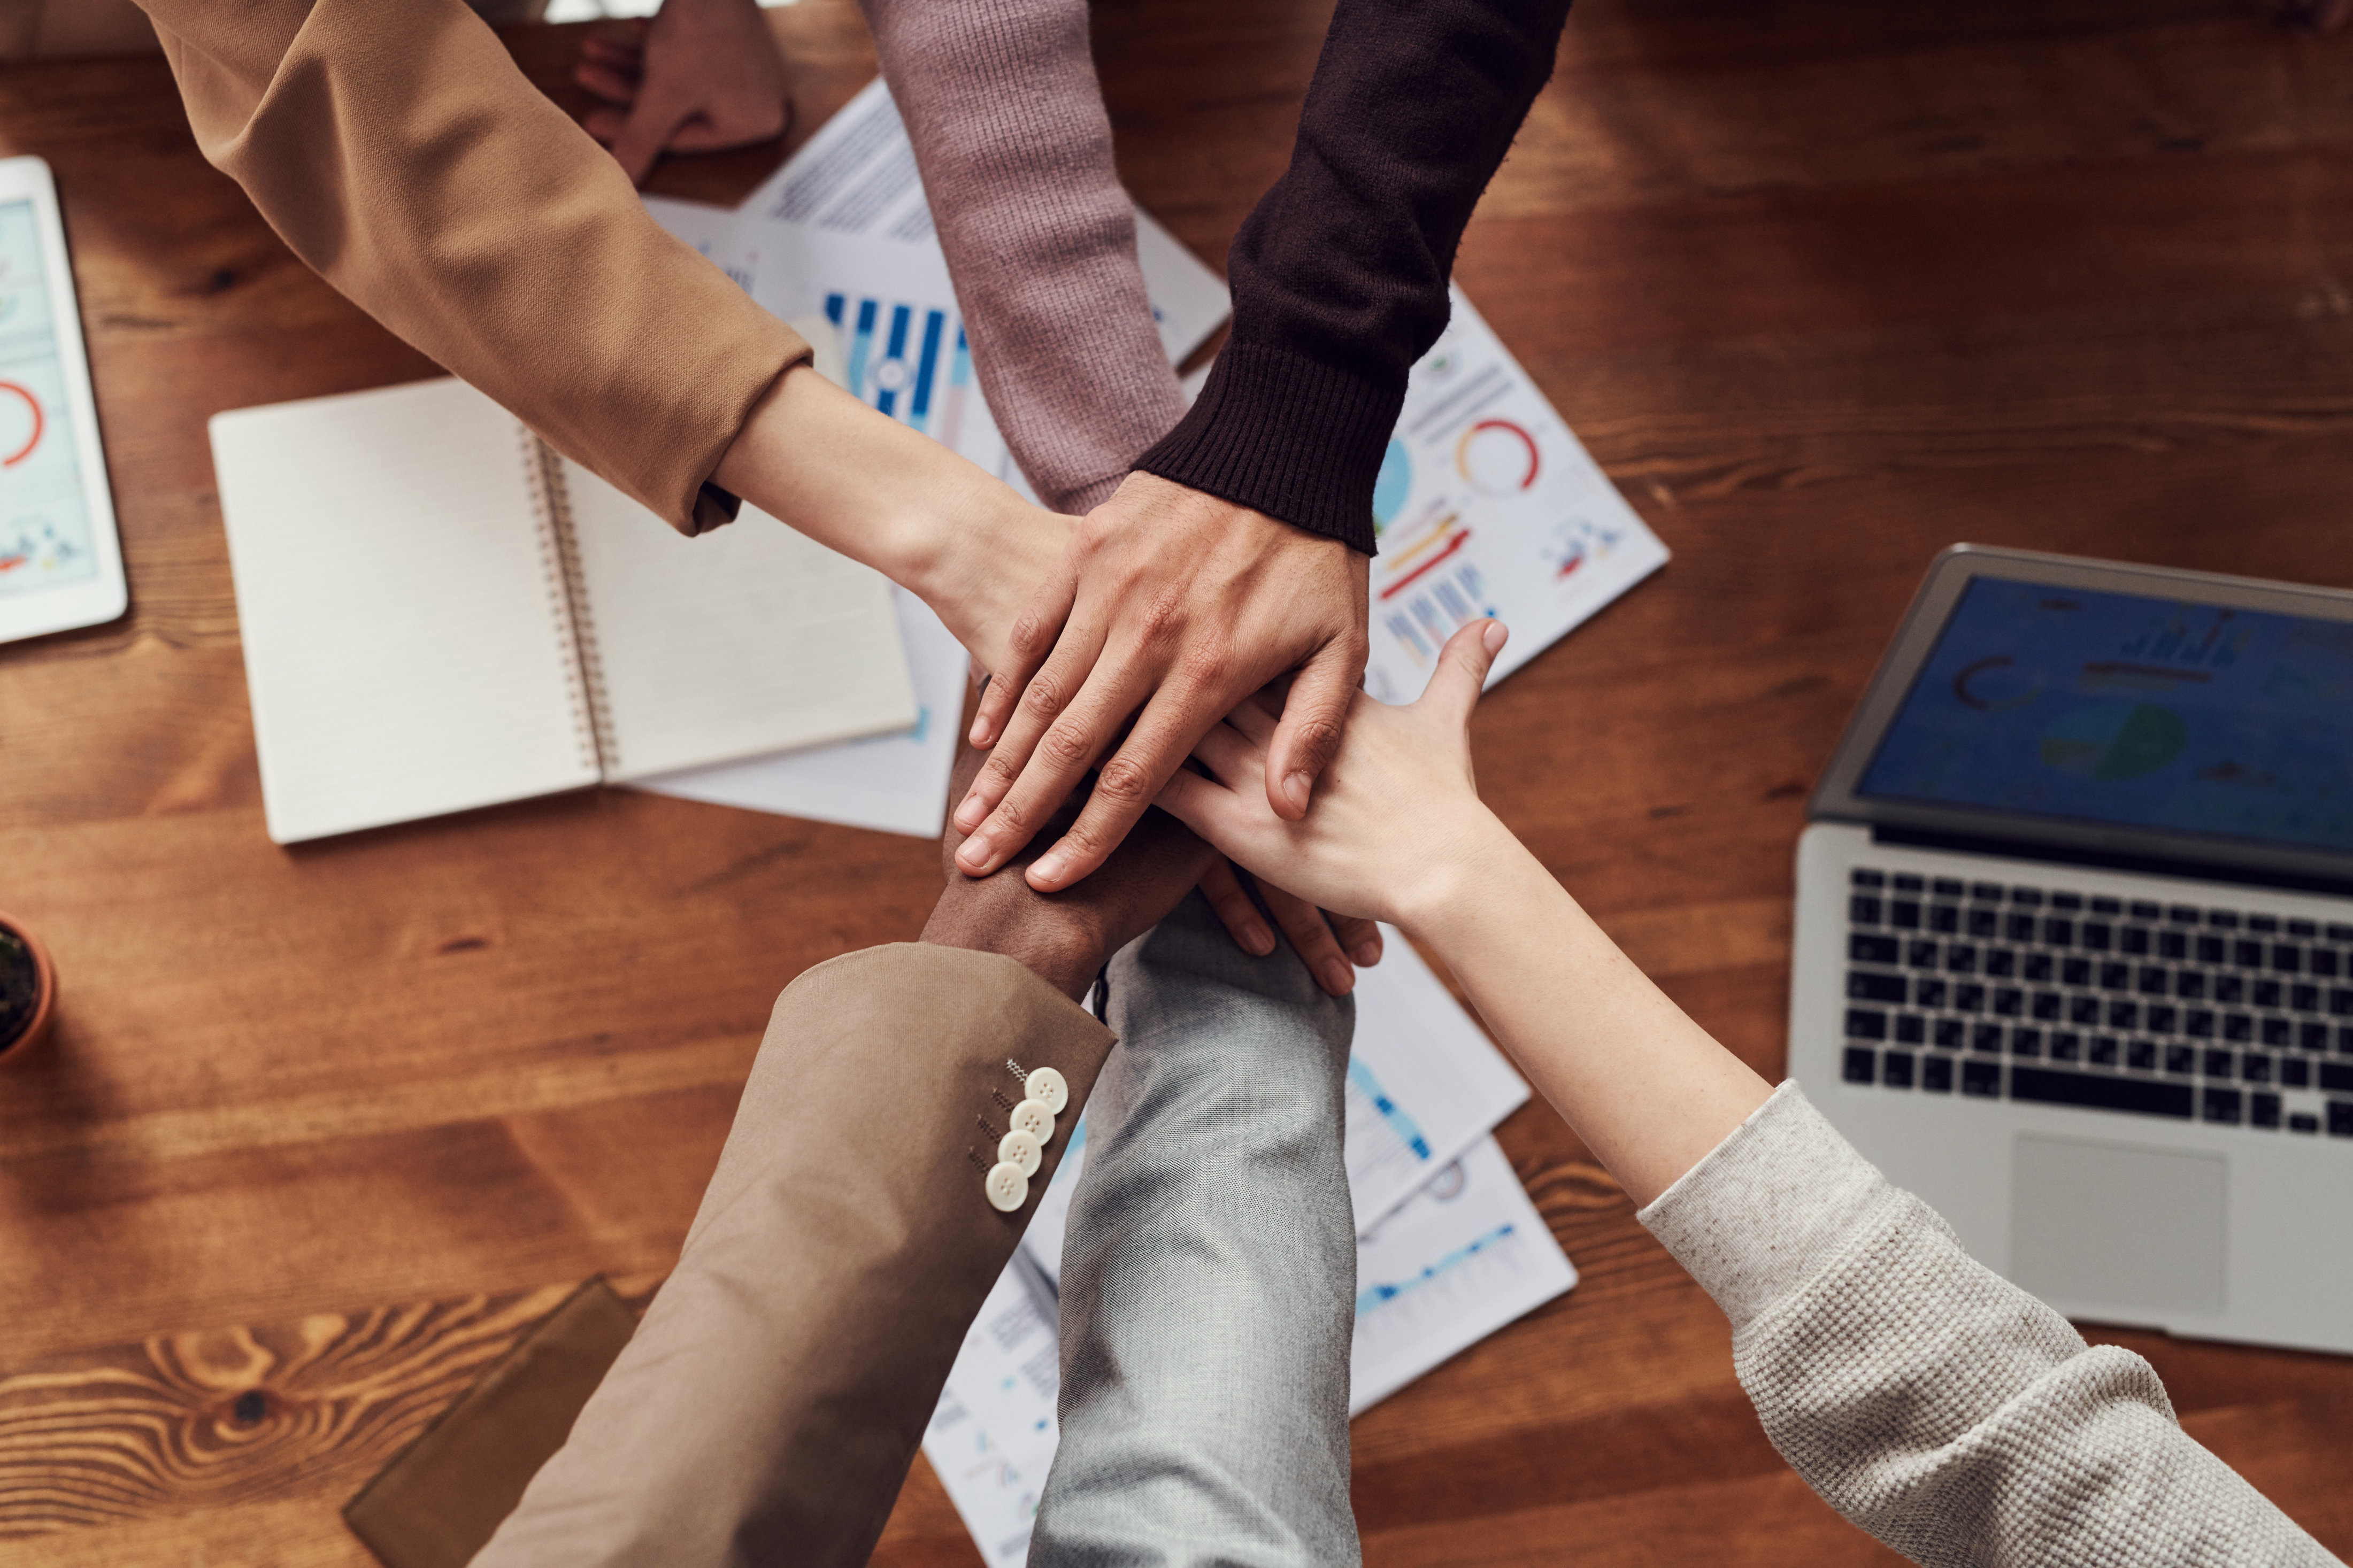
x=700 y=75
x=1169 y=607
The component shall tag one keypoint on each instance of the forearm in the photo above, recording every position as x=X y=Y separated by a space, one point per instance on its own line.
x=867 y=486
x=1935 y=1405
x=1648 y=1091
x=1340 y=273
x=398 y=151
x=1008 y=124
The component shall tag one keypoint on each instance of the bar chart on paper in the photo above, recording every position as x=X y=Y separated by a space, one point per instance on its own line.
x=906 y=360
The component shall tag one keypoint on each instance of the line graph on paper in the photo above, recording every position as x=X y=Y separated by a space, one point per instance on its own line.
x=1383 y=1139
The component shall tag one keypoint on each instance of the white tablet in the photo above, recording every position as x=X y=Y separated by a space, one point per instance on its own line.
x=60 y=562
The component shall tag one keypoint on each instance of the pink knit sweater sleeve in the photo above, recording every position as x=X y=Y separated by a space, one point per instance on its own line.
x=1014 y=146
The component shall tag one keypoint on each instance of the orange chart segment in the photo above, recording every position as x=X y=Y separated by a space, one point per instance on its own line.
x=31 y=422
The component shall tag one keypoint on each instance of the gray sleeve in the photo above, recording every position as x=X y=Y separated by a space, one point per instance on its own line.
x=1941 y=1408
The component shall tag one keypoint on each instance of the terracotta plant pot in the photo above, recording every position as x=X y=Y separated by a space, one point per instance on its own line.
x=28 y=990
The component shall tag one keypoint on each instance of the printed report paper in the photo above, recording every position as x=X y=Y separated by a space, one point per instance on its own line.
x=1487 y=505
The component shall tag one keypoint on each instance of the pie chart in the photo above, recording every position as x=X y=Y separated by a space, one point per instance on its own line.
x=2110 y=741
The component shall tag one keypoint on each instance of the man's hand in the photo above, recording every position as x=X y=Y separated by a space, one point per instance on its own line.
x=1068 y=937
x=1180 y=606
x=701 y=76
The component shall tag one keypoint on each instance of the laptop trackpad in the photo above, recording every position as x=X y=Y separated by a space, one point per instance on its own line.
x=2132 y=1228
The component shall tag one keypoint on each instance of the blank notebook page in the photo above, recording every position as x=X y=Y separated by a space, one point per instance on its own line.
x=750 y=638
x=406 y=636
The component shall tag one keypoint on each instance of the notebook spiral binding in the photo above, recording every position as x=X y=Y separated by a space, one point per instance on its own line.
x=567 y=592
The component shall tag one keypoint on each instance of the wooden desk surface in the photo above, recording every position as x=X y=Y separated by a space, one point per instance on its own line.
x=1824 y=284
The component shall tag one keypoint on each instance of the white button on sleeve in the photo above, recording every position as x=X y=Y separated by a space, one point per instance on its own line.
x=1035 y=1120
x=1047 y=1088
x=1017 y=1147
x=1007 y=1188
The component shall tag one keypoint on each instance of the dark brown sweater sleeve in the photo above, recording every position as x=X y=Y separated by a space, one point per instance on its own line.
x=1339 y=274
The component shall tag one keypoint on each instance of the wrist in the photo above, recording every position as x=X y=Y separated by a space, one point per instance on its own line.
x=1061 y=956
x=1464 y=870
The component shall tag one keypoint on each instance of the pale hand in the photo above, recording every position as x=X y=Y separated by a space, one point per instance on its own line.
x=699 y=76
x=1169 y=607
x=1396 y=820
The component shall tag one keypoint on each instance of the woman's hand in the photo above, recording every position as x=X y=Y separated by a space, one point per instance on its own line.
x=1397 y=822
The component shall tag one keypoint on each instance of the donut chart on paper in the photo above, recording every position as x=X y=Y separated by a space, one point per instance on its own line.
x=1498 y=458
x=39 y=422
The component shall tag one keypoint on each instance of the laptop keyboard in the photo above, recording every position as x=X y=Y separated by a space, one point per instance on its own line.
x=1998 y=991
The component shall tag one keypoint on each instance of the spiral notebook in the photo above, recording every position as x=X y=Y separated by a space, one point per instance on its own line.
x=439 y=612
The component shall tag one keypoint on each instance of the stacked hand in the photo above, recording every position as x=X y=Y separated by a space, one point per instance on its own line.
x=1168 y=609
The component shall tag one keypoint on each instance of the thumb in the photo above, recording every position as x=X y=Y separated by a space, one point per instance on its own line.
x=1314 y=712
x=1463 y=666
x=653 y=119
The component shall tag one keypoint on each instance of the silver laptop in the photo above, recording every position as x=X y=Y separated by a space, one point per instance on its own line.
x=2075 y=937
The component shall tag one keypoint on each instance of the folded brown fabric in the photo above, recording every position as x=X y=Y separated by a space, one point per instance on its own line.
x=440 y=1501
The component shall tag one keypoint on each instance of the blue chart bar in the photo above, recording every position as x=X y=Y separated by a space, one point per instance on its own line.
x=861 y=344
x=934 y=324
x=892 y=374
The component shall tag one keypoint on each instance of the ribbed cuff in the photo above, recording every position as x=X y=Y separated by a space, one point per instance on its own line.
x=1764 y=1209
x=1287 y=436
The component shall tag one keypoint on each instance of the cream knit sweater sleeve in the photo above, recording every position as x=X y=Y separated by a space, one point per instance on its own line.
x=1944 y=1410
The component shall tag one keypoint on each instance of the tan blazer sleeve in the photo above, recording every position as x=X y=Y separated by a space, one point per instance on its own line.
x=769 y=1406
x=398 y=149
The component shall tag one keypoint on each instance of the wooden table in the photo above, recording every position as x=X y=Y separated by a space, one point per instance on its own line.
x=1824 y=284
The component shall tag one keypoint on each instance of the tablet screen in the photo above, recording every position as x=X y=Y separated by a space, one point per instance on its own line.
x=45 y=524
x=2144 y=712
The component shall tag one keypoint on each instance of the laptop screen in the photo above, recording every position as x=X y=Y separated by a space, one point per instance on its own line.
x=2142 y=713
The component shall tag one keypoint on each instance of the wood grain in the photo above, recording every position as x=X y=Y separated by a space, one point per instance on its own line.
x=1824 y=286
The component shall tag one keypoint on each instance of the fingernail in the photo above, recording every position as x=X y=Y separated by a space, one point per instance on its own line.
x=969 y=814
x=1297 y=787
x=1258 y=940
x=1367 y=954
x=1050 y=867
x=973 y=856
x=1338 y=978
x=980 y=731
x=1494 y=635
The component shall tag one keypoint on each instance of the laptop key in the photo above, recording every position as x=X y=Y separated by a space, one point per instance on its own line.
x=2303 y=997
x=2140 y=1054
x=2083 y=1009
x=2264 y=1111
x=1944 y=917
x=2222 y=1105
x=2066 y=1046
x=2276 y=1032
x=1874 y=985
x=2037 y=967
x=1911 y=1029
x=1928 y=992
x=2338 y=1075
x=2001 y=963
x=2303 y=1121
x=2026 y=1042
x=1904 y=915
x=1860 y=1064
x=2295 y=1072
x=1983 y=1079
x=1863 y=909
x=1865 y=1024
x=2058 y=932
x=1895 y=1071
x=2190 y=984
x=2179 y=1059
x=2340 y=1119
x=1862 y=878
x=1968 y=997
x=2238 y=1027
x=2340 y=1001
x=1937 y=1075
x=2008 y=1002
x=1864 y=947
x=1960 y=958
x=2265 y=993
x=2254 y=1068
x=2218 y=1064
x=1948 y=1033
x=2199 y=1025
x=1921 y=952
x=2050 y=1086
x=2047 y=1005
x=2230 y=988
x=1986 y=1037
x=1982 y=922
